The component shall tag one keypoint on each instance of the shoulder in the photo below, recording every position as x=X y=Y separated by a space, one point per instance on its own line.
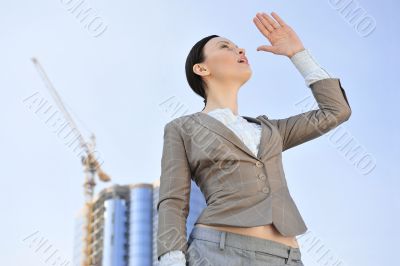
x=180 y=123
x=263 y=118
x=269 y=121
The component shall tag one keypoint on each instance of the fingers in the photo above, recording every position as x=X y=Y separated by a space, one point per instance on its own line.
x=278 y=18
x=266 y=25
x=273 y=24
x=261 y=27
x=265 y=22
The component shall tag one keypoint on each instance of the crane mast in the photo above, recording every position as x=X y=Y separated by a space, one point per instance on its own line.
x=88 y=160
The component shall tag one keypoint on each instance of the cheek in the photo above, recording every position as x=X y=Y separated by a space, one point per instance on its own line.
x=224 y=64
x=226 y=60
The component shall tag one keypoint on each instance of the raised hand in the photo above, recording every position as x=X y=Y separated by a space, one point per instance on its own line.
x=283 y=39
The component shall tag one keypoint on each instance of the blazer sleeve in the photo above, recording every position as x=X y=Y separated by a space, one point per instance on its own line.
x=333 y=110
x=174 y=193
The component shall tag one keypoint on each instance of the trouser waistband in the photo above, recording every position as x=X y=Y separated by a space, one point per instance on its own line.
x=245 y=242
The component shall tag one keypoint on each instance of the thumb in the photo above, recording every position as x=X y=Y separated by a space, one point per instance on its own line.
x=266 y=48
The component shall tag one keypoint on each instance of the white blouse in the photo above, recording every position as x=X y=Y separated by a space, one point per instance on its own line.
x=250 y=133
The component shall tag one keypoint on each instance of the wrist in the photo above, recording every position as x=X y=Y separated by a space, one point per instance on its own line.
x=295 y=51
x=308 y=67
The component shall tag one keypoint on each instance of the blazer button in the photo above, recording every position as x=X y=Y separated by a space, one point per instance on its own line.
x=262 y=176
x=259 y=164
x=265 y=190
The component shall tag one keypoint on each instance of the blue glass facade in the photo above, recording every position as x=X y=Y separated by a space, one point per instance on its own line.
x=197 y=205
x=140 y=226
x=115 y=233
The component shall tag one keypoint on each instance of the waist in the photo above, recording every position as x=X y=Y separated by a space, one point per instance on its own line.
x=265 y=231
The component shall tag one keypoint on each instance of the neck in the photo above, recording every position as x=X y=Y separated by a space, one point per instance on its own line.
x=222 y=96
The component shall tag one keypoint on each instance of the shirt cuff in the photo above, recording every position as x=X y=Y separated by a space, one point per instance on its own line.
x=173 y=258
x=309 y=67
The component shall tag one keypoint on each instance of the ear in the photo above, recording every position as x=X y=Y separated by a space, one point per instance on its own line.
x=200 y=70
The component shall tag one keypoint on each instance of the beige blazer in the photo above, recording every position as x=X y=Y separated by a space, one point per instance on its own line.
x=240 y=189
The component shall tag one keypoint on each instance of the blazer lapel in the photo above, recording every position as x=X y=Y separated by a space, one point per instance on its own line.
x=269 y=141
x=218 y=127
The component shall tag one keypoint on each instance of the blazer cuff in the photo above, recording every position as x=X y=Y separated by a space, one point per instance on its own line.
x=173 y=258
x=309 y=67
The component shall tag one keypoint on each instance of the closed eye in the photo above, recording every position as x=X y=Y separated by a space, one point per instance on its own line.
x=224 y=45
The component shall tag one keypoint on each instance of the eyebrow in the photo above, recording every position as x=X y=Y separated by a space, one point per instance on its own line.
x=227 y=43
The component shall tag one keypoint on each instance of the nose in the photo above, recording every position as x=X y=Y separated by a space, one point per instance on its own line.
x=242 y=51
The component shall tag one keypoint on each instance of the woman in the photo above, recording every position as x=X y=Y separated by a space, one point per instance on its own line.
x=250 y=218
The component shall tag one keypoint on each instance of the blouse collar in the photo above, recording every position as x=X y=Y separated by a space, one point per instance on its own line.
x=225 y=114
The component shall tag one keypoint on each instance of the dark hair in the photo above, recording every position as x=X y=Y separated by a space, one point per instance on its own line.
x=196 y=55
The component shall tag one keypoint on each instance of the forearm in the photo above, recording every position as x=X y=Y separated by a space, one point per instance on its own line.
x=174 y=193
x=333 y=110
x=171 y=235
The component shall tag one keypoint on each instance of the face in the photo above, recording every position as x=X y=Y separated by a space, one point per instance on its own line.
x=224 y=62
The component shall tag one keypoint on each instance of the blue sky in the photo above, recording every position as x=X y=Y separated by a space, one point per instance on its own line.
x=115 y=78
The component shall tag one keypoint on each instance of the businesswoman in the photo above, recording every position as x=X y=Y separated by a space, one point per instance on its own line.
x=250 y=218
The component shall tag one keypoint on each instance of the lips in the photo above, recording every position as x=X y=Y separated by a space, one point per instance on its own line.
x=243 y=60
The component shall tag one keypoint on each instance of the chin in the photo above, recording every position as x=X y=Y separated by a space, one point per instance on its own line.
x=244 y=80
x=246 y=75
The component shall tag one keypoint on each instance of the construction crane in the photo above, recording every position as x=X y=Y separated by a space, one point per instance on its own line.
x=90 y=163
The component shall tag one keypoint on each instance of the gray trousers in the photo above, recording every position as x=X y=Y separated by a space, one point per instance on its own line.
x=210 y=247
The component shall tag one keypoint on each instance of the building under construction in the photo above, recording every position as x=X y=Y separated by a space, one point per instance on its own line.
x=117 y=227
x=123 y=226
